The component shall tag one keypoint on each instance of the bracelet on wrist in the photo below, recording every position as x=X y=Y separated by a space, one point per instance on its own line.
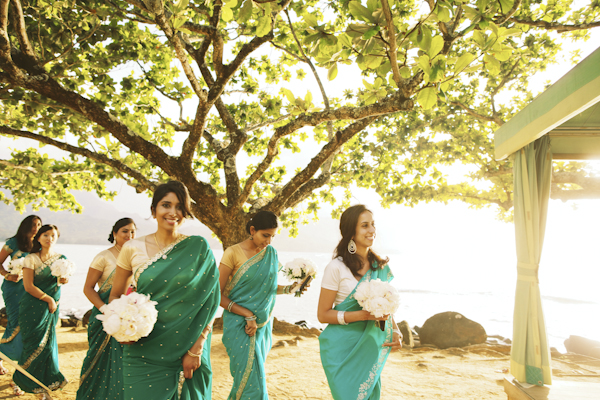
x=340 y=318
x=43 y=297
x=230 y=305
x=204 y=335
x=194 y=354
x=250 y=318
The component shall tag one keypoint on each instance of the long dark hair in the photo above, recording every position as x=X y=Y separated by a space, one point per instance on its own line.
x=348 y=223
x=118 y=225
x=23 y=241
x=263 y=220
x=180 y=191
x=45 y=228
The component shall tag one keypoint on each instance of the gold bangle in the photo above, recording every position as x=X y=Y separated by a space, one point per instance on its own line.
x=43 y=296
x=204 y=335
x=194 y=354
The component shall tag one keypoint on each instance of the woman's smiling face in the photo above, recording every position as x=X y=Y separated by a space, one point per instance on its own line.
x=365 y=230
x=168 y=212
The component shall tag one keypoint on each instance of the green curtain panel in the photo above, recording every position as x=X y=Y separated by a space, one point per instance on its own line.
x=530 y=355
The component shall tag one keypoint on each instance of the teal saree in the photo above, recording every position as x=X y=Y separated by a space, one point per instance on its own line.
x=253 y=286
x=11 y=343
x=185 y=283
x=102 y=370
x=38 y=328
x=353 y=355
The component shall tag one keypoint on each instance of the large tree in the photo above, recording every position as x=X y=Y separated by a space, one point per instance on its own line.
x=147 y=90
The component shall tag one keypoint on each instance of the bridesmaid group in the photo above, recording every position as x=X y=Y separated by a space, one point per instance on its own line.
x=180 y=273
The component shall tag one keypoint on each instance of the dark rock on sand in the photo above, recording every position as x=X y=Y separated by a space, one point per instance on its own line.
x=451 y=329
x=407 y=336
x=280 y=327
x=3 y=317
x=86 y=318
x=581 y=345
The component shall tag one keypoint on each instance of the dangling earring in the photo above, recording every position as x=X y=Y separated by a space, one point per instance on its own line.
x=251 y=237
x=351 y=246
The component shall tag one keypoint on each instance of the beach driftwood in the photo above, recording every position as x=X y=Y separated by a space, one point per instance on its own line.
x=451 y=329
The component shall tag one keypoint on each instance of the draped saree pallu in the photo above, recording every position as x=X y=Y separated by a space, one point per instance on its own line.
x=11 y=343
x=353 y=355
x=38 y=328
x=102 y=370
x=253 y=286
x=184 y=280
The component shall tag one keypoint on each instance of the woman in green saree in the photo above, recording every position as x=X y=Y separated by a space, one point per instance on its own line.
x=38 y=315
x=102 y=370
x=179 y=272
x=353 y=347
x=248 y=275
x=16 y=247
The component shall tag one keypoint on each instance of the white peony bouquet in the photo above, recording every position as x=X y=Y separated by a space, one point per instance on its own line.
x=62 y=268
x=15 y=267
x=300 y=269
x=377 y=297
x=129 y=318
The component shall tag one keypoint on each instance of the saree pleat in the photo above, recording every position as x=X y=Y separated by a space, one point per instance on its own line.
x=186 y=287
x=253 y=286
x=38 y=329
x=11 y=343
x=102 y=369
x=353 y=355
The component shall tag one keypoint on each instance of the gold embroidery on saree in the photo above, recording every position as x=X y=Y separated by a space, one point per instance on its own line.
x=12 y=336
x=243 y=269
x=155 y=258
x=47 y=263
x=95 y=360
x=39 y=350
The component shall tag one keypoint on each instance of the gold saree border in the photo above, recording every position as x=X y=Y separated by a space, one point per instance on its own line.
x=155 y=258
x=12 y=336
x=243 y=269
x=39 y=350
x=44 y=264
x=95 y=360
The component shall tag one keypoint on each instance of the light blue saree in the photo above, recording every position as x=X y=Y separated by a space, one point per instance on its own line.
x=254 y=286
x=353 y=355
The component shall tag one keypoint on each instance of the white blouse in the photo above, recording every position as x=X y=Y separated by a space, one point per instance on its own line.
x=338 y=277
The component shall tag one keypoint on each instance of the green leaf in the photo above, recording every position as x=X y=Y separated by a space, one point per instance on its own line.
x=424 y=64
x=310 y=19
x=308 y=98
x=289 y=95
x=178 y=21
x=463 y=61
x=344 y=39
x=371 y=32
x=360 y=12
x=227 y=14
x=332 y=72
x=491 y=64
x=264 y=26
x=443 y=14
x=180 y=6
x=424 y=38
x=405 y=72
x=437 y=44
x=427 y=98
x=245 y=12
x=506 y=5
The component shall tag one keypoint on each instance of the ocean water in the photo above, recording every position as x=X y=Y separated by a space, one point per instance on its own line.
x=478 y=287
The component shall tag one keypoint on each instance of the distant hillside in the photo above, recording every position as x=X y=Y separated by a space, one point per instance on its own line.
x=94 y=224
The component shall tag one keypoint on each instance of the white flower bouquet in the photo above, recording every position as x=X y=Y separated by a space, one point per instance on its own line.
x=15 y=267
x=300 y=270
x=62 y=268
x=377 y=297
x=129 y=318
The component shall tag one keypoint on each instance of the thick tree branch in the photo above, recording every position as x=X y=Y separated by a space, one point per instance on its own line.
x=509 y=14
x=21 y=29
x=555 y=26
x=100 y=158
x=266 y=123
x=392 y=42
x=278 y=203
x=8 y=164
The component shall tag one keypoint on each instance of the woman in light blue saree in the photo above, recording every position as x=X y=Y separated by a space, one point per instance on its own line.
x=16 y=247
x=102 y=370
x=248 y=276
x=355 y=345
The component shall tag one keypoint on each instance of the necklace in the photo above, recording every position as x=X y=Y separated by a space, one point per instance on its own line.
x=160 y=249
x=118 y=248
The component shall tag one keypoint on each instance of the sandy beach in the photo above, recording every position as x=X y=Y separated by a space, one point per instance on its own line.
x=295 y=372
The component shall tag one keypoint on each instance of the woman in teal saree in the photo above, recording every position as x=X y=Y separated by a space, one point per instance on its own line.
x=16 y=247
x=248 y=274
x=355 y=345
x=38 y=315
x=102 y=370
x=180 y=274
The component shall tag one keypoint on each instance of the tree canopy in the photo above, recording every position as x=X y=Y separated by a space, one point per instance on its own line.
x=214 y=94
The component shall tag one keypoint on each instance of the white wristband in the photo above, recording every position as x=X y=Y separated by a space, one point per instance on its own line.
x=340 y=317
